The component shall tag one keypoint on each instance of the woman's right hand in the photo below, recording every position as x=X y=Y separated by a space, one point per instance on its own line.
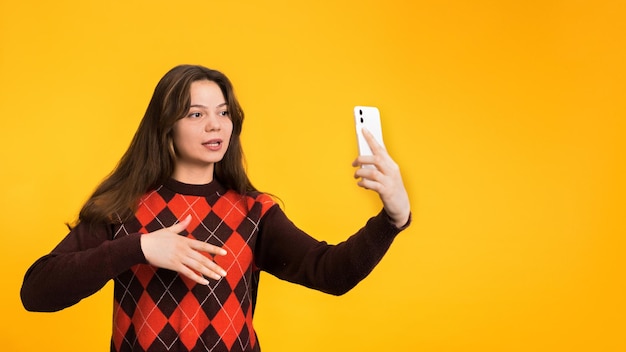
x=166 y=249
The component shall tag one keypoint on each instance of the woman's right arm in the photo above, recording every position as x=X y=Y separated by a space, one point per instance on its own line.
x=80 y=265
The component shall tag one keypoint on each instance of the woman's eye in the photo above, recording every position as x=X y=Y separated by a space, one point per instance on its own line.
x=195 y=114
x=224 y=113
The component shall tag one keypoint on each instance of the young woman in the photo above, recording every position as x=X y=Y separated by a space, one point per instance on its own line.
x=183 y=233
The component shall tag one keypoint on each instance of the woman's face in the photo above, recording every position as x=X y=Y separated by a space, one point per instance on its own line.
x=201 y=138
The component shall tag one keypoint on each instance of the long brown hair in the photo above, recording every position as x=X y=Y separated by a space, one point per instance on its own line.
x=150 y=158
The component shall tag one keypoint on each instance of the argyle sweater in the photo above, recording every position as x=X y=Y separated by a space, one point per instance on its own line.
x=159 y=310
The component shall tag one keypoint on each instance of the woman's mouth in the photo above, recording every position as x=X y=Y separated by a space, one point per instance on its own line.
x=213 y=144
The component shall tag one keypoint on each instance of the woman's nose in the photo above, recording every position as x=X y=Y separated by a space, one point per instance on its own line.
x=212 y=123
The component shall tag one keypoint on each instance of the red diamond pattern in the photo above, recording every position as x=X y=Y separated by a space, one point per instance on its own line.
x=229 y=321
x=122 y=323
x=152 y=321
x=231 y=210
x=144 y=273
x=149 y=206
x=189 y=326
x=237 y=261
x=181 y=206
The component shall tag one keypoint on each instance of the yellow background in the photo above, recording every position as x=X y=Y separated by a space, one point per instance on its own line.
x=507 y=119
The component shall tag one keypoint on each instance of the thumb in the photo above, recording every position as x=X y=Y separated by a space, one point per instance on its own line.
x=180 y=226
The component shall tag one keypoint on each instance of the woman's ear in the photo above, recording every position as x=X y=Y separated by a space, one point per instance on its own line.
x=171 y=148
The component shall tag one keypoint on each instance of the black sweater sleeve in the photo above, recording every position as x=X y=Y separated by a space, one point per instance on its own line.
x=288 y=253
x=80 y=265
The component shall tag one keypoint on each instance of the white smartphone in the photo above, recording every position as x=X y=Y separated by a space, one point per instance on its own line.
x=367 y=117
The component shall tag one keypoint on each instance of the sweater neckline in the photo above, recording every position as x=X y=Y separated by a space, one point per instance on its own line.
x=203 y=190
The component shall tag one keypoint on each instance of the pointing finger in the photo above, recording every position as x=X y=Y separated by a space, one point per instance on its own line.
x=374 y=145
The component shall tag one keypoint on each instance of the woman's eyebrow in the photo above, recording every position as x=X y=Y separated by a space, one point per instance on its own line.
x=206 y=107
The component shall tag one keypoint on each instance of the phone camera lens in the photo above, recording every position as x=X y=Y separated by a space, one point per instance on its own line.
x=361 y=120
x=360 y=112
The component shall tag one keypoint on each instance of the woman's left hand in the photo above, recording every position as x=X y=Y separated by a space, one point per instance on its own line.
x=382 y=175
